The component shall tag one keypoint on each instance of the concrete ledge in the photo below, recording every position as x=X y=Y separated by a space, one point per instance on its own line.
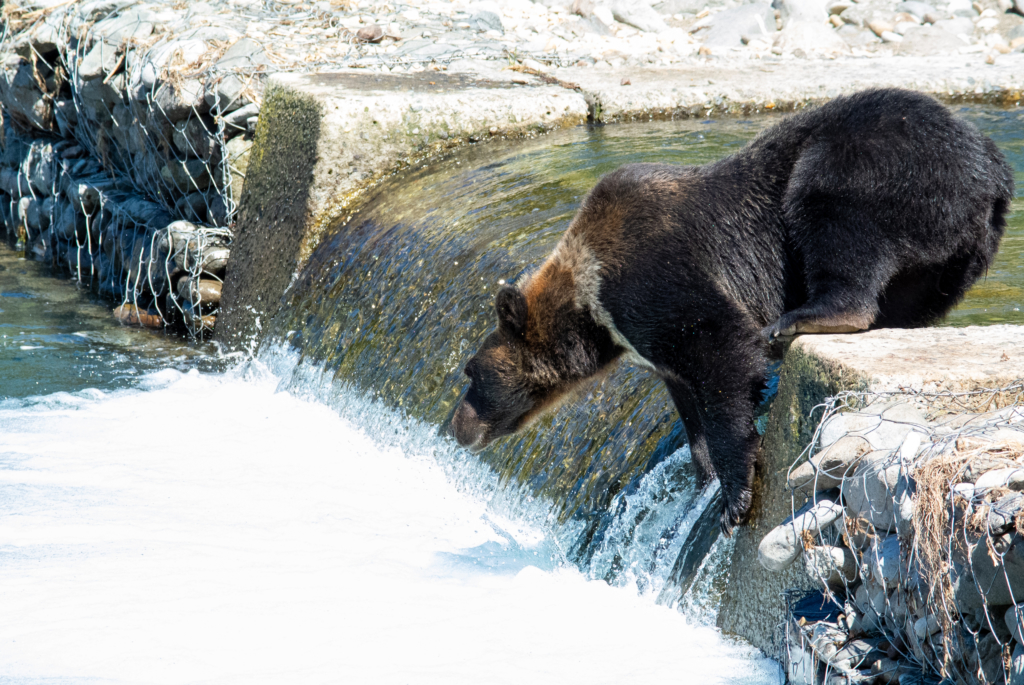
x=324 y=139
x=815 y=367
x=754 y=86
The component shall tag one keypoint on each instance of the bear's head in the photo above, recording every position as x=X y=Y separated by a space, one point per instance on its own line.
x=545 y=345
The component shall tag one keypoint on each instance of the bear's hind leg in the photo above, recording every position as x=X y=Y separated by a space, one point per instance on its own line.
x=845 y=270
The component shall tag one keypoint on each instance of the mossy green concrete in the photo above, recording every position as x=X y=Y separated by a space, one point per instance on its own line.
x=754 y=604
x=274 y=209
x=324 y=139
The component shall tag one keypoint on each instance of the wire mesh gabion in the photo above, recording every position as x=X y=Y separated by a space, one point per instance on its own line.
x=124 y=152
x=908 y=511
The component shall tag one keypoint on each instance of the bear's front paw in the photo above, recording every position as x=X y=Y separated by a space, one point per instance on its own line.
x=734 y=512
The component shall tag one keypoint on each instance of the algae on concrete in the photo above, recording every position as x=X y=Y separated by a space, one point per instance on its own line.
x=324 y=139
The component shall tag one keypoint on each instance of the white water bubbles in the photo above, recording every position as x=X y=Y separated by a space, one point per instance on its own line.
x=295 y=543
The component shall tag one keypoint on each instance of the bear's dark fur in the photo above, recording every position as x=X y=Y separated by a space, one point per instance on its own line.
x=877 y=209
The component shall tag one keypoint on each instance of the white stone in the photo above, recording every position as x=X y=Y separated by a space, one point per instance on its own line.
x=1001 y=478
x=835 y=566
x=839 y=425
x=781 y=547
x=871 y=491
x=883 y=560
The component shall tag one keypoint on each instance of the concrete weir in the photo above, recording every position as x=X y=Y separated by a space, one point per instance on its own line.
x=322 y=140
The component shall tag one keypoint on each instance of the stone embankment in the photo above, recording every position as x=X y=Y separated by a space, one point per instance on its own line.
x=889 y=519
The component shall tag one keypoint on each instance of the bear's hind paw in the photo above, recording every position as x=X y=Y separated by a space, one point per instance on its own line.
x=734 y=512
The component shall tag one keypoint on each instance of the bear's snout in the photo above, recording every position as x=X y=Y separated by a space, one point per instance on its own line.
x=467 y=427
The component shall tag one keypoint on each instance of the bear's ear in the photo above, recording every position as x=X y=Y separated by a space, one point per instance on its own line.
x=511 y=305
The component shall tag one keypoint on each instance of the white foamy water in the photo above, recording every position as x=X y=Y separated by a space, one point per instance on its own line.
x=208 y=528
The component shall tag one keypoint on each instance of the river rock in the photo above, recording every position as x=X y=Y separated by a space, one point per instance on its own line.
x=21 y=95
x=191 y=138
x=65 y=223
x=14 y=183
x=42 y=167
x=233 y=74
x=905 y=505
x=203 y=291
x=882 y=561
x=835 y=566
x=194 y=207
x=729 y=27
x=237 y=150
x=999 y=579
x=486 y=19
x=237 y=121
x=918 y=9
x=1003 y=513
x=180 y=99
x=860 y=652
x=827 y=468
x=1011 y=478
x=186 y=176
x=871 y=491
x=638 y=14
x=215 y=260
x=928 y=40
x=133 y=24
x=780 y=547
x=956 y=26
x=101 y=60
x=99 y=98
x=43 y=38
x=175 y=52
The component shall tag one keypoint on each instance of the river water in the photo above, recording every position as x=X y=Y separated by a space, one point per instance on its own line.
x=169 y=514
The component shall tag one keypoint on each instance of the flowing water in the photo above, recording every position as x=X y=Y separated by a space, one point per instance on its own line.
x=170 y=515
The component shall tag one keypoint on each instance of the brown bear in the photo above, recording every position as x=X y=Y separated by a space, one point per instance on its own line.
x=876 y=209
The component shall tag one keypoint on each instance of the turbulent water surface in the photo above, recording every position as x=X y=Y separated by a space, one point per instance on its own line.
x=168 y=515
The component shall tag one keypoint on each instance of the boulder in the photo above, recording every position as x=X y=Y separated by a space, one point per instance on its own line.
x=21 y=96
x=871 y=491
x=835 y=566
x=729 y=27
x=827 y=468
x=781 y=546
x=638 y=14
x=956 y=26
x=133 y=24
x=999 y=575
x=1011 y=478
x=882 y=561
x=928 y=40
x=100 y=61
x=918 y=9
x=191 y=138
